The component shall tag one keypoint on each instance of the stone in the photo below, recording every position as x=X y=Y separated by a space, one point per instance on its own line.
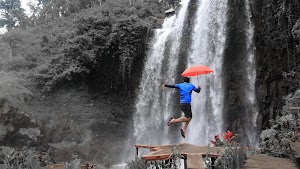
x=3 y=131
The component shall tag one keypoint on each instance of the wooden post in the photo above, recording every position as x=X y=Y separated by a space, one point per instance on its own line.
x=185 y=163
x=136 y=152
x=184 y=157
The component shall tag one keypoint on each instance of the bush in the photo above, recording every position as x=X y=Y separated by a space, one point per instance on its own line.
x=233 y=157
x=13 y=159
x=137 y=163
x=12 y=89
x=276 y=140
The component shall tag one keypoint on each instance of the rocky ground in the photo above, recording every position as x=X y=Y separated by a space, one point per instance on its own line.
x=262 y=161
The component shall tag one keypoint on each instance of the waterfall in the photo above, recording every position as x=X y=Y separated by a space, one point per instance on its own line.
x=152 y=106
x=251 y=76
x=207 y=49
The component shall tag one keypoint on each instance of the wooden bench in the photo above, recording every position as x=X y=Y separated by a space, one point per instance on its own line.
x=191 y=154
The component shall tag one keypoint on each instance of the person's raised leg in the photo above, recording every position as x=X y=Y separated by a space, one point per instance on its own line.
x=179 y=120
x=186 y=124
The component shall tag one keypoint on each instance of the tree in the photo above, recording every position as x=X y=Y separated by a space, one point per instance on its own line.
x=47 y=10
x=12 y=14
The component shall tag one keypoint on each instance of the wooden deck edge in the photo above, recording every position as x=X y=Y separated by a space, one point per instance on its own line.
x=167 y=156
x=295 y=155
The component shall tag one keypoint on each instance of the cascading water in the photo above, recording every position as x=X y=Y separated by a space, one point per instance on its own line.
x=251 y=76
x=151 y=105
x=207 y=49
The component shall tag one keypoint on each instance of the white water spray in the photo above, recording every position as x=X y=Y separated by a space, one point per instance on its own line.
x=208 y=42
x=251 y=76
x=207 y=49
x=151 y=109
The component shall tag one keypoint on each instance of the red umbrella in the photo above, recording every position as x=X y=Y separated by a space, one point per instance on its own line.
x=196 y=70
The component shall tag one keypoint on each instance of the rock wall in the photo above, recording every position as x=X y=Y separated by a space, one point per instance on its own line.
x=17 y=129
x=277 y=57
x=237 y=110
x=277 y=52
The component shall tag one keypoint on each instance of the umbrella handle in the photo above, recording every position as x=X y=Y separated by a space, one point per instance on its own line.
x=197 y=79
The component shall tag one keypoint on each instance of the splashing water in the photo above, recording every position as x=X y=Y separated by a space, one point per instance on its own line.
x=207 y=49
x=251 y=76
x=150 y=107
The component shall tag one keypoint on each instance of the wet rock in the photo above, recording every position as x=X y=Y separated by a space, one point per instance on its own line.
x=3 y=131
x=17 y=128
x=277 y=53
x=32 y=133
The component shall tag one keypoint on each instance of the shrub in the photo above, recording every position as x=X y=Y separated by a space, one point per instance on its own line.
x=275 y=140
x=137 y=163
x=233 y=157
x=12 y=89
x=13 y=159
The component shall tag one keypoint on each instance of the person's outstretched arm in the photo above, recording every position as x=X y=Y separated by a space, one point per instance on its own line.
x=169 y=86
x=197 y=89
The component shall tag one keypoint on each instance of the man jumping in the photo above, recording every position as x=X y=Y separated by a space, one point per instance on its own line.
x=185 y=92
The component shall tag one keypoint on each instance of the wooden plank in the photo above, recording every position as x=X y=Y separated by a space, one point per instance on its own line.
x=62 y=166
x=295 y=108
x=192 y=153
x=195 y=161
x=156 y=157
x=144 y=146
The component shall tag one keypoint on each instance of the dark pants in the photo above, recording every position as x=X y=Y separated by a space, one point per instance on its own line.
x=187 y=110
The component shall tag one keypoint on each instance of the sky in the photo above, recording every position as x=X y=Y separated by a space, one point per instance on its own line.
x=24 y=5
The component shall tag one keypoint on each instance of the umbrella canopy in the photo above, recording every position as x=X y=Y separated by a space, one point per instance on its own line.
x=196 y=70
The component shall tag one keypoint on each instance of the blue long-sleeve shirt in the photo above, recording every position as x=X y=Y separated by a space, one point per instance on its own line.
x=185 y=91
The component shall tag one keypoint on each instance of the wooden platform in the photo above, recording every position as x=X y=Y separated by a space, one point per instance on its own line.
x=261 y=161
x=192 y=154
x=295 y=147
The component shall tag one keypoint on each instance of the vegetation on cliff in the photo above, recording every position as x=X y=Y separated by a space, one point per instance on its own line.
x=79 y=43
x=284 y=129
x=277 y=53
x=96 y=46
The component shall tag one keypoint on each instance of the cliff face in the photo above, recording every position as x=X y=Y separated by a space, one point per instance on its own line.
x=277 y=57
x=277 y=53
x=235 y=60
x=86 y=70
x=89 y=112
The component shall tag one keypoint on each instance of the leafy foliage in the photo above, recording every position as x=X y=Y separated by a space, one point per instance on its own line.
x=13 y=159
x=276 y=139
x=13 y=90
x=234 y=156
x=138 y=163
x=12 y=14
x=277 y=27
x=101 y=41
